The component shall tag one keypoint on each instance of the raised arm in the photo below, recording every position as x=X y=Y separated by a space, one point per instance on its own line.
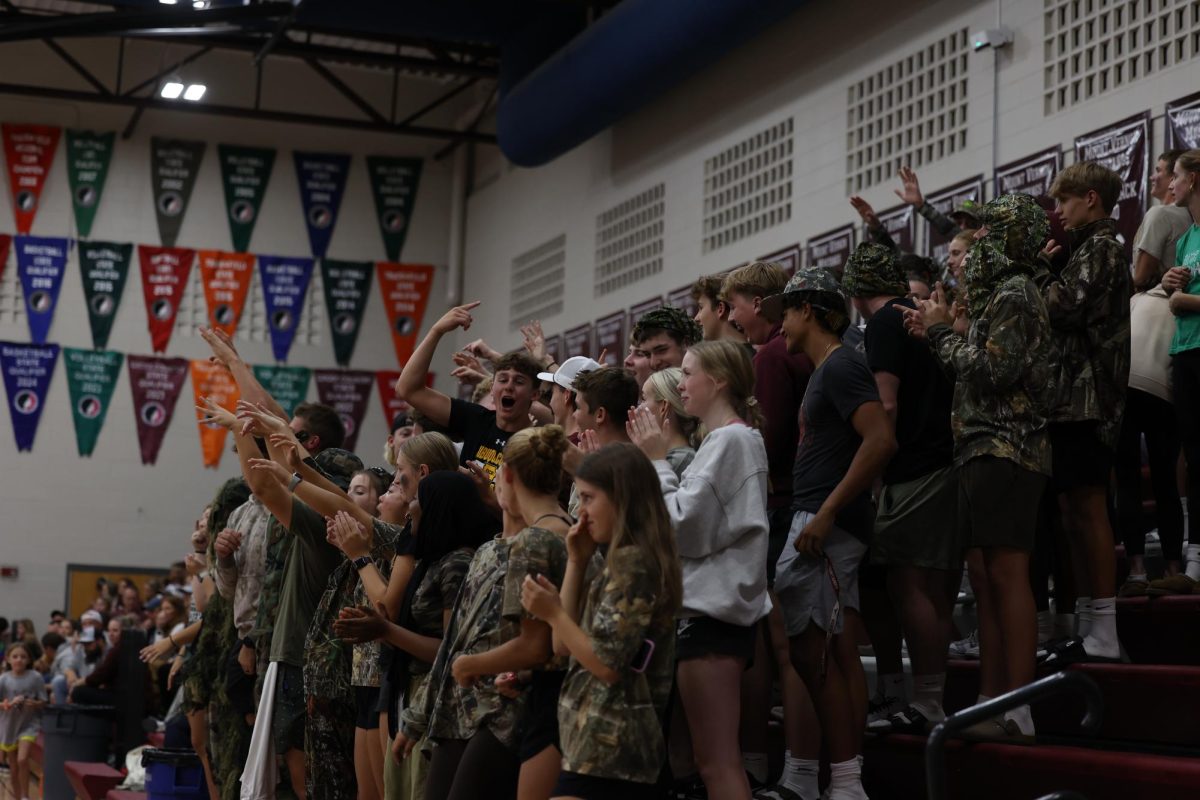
x=410 y=386
x=248 y=386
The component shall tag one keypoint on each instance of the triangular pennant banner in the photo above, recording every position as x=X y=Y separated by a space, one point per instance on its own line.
x=5 y=243
x=347 y=392
x=164 y=277
x=213 y=381
x=347 y=285
x=41 y=263
x=405 y=289
x=226 y=278
x=91 y=378
x=104 y=267
x=288 y=385
x=27 y=373
x=285 y=284
x=322 y=179
x=245 y=172
x=88 y=157
x=156 y=384
x=394 y=182
x=29 y=151
x=173 y=167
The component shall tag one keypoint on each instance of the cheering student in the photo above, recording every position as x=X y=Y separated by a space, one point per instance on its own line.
x=621 y=636
x=662 y=336
x=719 y=511
x=660 y=394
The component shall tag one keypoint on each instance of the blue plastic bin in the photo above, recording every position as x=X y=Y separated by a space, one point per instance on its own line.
x=173 y=774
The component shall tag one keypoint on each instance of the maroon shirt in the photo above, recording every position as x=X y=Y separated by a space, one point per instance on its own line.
x=780 y=379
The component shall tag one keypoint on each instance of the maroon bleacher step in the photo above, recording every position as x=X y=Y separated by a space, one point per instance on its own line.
x=92 y=780
x=1160 y=630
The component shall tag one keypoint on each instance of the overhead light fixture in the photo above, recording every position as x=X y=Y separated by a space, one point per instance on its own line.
x=171 y=90
x=199 y=4
x=168 y=2
x=194 y=92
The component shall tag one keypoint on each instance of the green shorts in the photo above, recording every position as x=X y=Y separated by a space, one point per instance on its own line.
x=917 y=523
x=999 y=503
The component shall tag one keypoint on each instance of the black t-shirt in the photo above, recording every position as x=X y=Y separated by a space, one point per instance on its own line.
x=924 y=401
x=482 y=441
x=828 y=442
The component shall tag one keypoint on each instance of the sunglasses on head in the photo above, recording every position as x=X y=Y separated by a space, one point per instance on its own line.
x=303 y=436
x=380 y=472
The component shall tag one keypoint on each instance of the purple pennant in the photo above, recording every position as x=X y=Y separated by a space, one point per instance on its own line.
x=285 y=284
x=322 y=178
x=27 y=373
x=41 y=262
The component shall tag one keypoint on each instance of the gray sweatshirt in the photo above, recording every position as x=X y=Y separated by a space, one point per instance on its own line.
x=719 y=510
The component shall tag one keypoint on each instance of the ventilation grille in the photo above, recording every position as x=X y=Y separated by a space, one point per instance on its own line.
x=1095 y=46
x=748 y=188
x=629 y=241
x=538 y=282
x=910 y=113
x=252 y=327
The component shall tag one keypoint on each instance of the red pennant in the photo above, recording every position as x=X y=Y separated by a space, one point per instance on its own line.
x=215 y=381
x=405 y=289
x=392 y=404
x=226 y=278
x=5 y=244
x=164 y=277
x=29 y=150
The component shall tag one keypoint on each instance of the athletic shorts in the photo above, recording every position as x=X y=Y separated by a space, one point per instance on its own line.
x=287 y=717
x=998 y=503
x=917 y=523
x=366 y=707
x=590 y=787
x=803 y=585
x=1080 y=458
x=539 y=728
x=239 y=687
x=779 y=522
x=697 y=637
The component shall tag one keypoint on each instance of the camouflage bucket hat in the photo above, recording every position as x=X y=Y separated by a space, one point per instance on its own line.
x=338 y=465
x=668 y=318
x=1019 y=222
x=872 y=270
x=811 y=280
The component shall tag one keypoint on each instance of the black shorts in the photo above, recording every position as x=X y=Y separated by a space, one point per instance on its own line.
x=590 y=787
x=998 y=503
x=540 y=726
x=239 y=687
x=696 y=637
x=1080 y=458
x=779 y=523
x=291 y=706
x=366 y=705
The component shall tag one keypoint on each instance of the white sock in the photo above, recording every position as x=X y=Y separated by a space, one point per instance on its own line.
x=1024 y=720
x=1138 y=577
x=800 y=776
x=891 y=685
x=1083 y=613
x=927 y=695
x=1193 y=562
x=756 y=765
x=1187 y=533
x=845 y=781
x=1064 y=626
x=1101 y=639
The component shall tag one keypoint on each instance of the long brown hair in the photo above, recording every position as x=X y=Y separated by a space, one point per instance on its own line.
x=623 y=472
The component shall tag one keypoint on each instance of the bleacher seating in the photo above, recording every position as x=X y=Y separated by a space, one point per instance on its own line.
x=92 y=780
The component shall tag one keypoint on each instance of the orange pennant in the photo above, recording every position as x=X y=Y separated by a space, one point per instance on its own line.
x=213 y=380
x=226 y=278
x=405 y=289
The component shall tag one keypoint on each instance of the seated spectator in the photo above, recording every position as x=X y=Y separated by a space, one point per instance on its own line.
x=66 y=663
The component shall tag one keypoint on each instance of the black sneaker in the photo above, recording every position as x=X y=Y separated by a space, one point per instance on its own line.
x=879 y=709
x=910 y=720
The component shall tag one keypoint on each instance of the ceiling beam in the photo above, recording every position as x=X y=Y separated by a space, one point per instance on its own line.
x=345 y=91
x=22 y=27
x=83 y=71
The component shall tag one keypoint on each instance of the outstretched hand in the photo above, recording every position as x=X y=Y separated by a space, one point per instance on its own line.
x=213 y=414
x=274 y=468
x=223 y=350
x=257 y=420
x=288 y=448
x=534 y=341
x=911 y=193
x=647 y=433
x=865 y=211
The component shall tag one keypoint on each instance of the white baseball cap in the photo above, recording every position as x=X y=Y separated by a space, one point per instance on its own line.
x=569 y=370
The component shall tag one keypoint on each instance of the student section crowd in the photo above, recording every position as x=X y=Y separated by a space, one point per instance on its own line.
x=593 y=581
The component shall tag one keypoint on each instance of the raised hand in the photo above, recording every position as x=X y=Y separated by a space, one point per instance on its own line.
x=540 y=597
x=289 y=448
x=223 y=350
x=912 y=187
x=865 y=211
x=213 y=414
x=348 y=535
x=457 y=317
x=534 y=342
x=258 y=420
x=274 y=468
x=646 y=432
x=483 y=350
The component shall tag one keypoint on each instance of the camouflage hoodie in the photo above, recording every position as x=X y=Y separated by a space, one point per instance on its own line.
x=1001 y=366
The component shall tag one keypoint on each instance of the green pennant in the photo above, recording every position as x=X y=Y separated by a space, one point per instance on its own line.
x=347 y=285
x=88 y=157
x=104 y=267
x=288 y=385
x=245 y=172
x=91 y=378
x=173 y=167
x=394 y=182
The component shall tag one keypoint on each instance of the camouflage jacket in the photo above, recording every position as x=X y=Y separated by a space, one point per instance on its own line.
x=1088 y=306
x=1001 y=372
x=241 y=579
x=279 y=547
x=613 y=731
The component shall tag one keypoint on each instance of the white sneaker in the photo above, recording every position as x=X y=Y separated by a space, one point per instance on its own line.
x=879 y=708
x=966 y=648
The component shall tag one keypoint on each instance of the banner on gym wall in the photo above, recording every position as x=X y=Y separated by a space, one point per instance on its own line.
x=88 y=155
x=578 y=342
x=405 y=289
x=347 y=285
x=165 y=273
x=155 y=384
x=682 y=299
x=29 y=152
x=831 y=249
x=41 y=263
x=27 y=373
x=5 y=244
x=245 y=172
x=636 y=311
x=285 y=285
x=947 y=201
x=347 y=391
x=788 y=258
x=610 y=339
x=288 y=385
x=322 y=179
x=1031 y=175
x=554 y=348
x=1183 y=123
x=226 y=278
x=394 y=183
x=900 y=224
x=173 y=167
x=1123 y=147
x=104 y=267
x=91 y=377
x=215 y=382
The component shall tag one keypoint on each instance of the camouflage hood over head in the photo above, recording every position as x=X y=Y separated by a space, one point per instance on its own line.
x=1017 y=228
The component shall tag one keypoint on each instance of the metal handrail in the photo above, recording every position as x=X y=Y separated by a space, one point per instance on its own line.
x=1063 y=795
x=1068 y=680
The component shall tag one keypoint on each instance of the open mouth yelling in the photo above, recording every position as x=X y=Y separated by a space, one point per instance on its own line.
x=507 y=403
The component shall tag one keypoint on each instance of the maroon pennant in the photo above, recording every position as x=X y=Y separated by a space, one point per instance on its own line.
x=347 y=392
x=156 y=385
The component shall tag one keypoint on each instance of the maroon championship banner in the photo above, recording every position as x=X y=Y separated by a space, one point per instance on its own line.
x=610 y=339
x=554 y=348
x=164 y=277
x=1123 y=147
x=636 y=311
x=156 y=384
x=788 y=258
x=901 y=224
x=681 y=298
x=1183 y=123
x=29 y=151
x=946 y=201
x=347 y=391
x=1031 y=175
x=830 y=250
x=578 y=342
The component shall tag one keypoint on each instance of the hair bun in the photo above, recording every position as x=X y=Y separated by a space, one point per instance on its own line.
x=549 y=442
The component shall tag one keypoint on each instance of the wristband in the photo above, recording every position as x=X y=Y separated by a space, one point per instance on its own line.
x=361 y=562
x=294 y=482
x=248 y=642
x=311 y=462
